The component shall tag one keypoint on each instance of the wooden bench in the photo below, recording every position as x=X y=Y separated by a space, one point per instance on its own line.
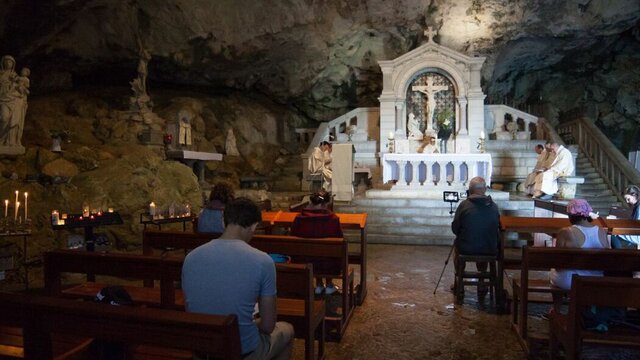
x=568 y=329
x=296 y=302
x=297 y=305
x=40 y=316
x=332 y=248
x=543 y=259
x=165 y=270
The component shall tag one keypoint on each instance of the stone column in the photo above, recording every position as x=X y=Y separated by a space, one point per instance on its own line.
x=401 y=126
x=462 y=102
x=457 y=173
x=402 y=182
x=415 y=178
x=387 y=121
x=428 y=180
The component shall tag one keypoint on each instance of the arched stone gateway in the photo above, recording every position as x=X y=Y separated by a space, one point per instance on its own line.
x=436 y=76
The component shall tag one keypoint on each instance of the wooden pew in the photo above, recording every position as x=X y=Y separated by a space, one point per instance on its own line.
x=543 y=259
x=586 y=291
x=336 y=248
x=40 y=316
x=166 y=270
x=173 y=240
x=297 y=305
x=296 y=301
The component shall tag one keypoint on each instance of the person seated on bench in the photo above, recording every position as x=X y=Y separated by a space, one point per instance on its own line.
x=544 y=160
x=631 y=196
x=477 y=225
x=581 y=234
x=317 y=221
x=227 y=275
x=210 y=218
x=320 y=163
x=546 y=182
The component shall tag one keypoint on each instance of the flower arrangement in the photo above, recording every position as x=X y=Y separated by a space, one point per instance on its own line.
x=444 y=119
x=351 y=129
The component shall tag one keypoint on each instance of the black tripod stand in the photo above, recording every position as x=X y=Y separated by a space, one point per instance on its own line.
x=451 y=197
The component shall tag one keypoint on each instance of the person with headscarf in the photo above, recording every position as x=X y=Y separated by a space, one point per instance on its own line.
x=581 y=234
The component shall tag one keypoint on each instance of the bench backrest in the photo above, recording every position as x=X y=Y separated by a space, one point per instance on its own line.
x=166 y=270
x=295 y=281
x=38 y=316
x=161 y=240
x=541 y=258
x=601 y=291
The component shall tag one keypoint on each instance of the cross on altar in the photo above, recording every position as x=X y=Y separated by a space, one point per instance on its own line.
x=430 y=90
x=430 y=33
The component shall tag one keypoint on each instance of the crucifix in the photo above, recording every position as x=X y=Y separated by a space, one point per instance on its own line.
x=430 y=33
x=430 y=90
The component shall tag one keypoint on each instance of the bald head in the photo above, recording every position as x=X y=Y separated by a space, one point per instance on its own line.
x=477 y=186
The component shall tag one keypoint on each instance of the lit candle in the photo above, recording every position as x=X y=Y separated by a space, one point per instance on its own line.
x=390 y=135
x=6 y=207
x=152 y=209
x=110 y=210
x=26 y=205
x=17 y=192
x=15 y=216
x=55 y=220
x=482 y=135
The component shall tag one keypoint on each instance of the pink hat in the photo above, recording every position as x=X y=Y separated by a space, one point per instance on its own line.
x=579 y=207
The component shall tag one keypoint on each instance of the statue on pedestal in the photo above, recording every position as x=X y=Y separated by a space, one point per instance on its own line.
x=14 y=89
x=413 y=127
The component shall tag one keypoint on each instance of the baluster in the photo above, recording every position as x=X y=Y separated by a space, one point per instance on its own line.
x=428 y=180
x=415 y=177
x=456 y=173
x=472 y=170
x=402 y=181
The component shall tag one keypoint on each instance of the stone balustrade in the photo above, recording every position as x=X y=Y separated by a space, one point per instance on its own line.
x=426 y=171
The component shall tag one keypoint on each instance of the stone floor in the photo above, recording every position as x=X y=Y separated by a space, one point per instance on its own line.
x=401 y=318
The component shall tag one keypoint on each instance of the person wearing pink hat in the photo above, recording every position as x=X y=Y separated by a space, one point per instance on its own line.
x=581 y=234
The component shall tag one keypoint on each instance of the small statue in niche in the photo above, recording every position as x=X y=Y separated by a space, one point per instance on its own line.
x=184 y=128
x=230 y=145
x=413 y=127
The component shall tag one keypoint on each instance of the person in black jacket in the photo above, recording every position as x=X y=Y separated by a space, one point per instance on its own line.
x=476 y=224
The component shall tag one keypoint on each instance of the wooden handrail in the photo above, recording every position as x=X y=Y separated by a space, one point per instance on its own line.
x=608 y=161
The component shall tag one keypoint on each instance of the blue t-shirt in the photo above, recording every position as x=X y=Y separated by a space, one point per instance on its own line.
x=211 y=221
x=227 y=277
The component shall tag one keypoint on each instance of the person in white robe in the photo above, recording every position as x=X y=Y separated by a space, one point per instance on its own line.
x=546 y=182
x=544 y=160
x=320 y=163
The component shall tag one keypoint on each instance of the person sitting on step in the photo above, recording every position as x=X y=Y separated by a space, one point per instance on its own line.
x=317 y=221
x=546 y=182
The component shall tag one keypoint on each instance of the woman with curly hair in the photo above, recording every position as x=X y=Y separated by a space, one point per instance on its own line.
x=210 y=219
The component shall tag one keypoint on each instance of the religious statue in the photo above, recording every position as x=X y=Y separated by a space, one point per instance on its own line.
x=413 y=127
x=230 y=145
x=430 y=91
x=184 y=129
x=14 y=89
x=141 y=102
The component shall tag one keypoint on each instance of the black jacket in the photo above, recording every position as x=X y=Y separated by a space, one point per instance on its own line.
x=477 y=226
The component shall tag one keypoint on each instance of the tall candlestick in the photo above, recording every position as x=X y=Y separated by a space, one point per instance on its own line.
x=26 y=205
x=6 y=207
x=152 y=209
x=482 y=134
x=15 y=216
x=17 y=192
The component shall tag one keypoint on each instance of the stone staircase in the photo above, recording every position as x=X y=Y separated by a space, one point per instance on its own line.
x=417 y=221
x=595 y=190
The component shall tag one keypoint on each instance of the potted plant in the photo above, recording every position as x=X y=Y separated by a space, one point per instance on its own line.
x=444 y=120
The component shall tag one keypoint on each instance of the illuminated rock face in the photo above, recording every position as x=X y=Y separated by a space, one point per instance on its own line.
x=322 y=57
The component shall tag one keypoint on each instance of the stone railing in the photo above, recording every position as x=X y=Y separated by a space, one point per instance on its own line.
x=424 y=171
x=527 y=123
x=614 y=168
x=305 y=137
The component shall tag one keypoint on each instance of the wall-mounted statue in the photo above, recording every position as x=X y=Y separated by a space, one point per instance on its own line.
x=14 y=89
x=230 y=145
x=141 y=101
x=184 y=128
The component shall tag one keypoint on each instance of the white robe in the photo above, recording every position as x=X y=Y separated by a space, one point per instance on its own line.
x=562 y=166
x=320 y=163
x=545 y=159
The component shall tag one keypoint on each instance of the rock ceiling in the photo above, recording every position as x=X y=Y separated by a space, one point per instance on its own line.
x=320 y=57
